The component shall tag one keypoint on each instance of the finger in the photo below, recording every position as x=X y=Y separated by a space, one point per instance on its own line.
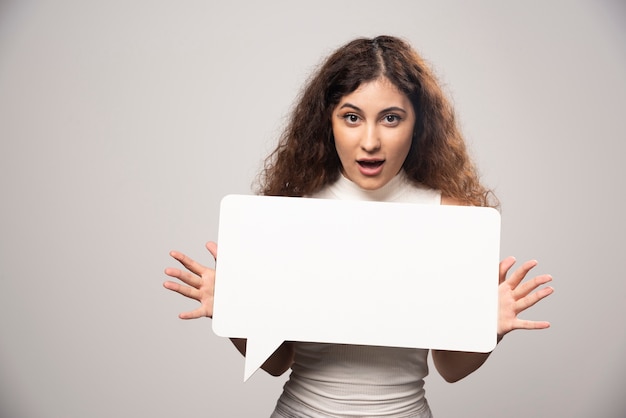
x=519 y=274
x=189 y=263
x=533 y=298
x=196 y=313
x=524 y=289
x=184 y=276
x=212 y=247
x=524 y=324
x=505 y=266
x=190 y=292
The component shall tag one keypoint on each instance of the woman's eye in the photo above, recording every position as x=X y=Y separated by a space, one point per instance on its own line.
x=391 y=119
x=351 y=118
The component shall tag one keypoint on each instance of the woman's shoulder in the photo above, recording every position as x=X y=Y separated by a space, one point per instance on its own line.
x=449 y=200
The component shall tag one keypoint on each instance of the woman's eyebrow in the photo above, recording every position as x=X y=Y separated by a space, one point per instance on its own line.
x=350 y=105
x=392 y=109
x=385 y=110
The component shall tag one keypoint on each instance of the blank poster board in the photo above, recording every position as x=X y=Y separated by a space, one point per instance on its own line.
x=355 y=272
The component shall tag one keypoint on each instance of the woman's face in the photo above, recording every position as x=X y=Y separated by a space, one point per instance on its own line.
x=373 y=129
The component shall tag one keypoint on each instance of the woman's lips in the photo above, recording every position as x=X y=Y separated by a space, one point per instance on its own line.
x=370 y=167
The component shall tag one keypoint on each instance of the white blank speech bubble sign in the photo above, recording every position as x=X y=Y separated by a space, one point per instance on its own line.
x=355 y=272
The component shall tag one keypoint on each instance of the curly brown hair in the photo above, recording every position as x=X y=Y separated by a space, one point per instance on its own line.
x=306 y=160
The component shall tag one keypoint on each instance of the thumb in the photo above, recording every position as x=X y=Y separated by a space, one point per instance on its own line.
x=505 y=266
x=212 y=247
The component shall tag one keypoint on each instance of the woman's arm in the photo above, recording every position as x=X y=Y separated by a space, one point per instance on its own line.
x=199 y=284
x=514 y=297
x=278 y=363
x=455 y=365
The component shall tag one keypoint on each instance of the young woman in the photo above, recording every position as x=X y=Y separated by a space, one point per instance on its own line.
x=371 y=124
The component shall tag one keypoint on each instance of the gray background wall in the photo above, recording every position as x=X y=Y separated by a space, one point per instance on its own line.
x=122 y=124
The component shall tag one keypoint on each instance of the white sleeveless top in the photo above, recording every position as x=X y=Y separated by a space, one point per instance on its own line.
x=340 y=380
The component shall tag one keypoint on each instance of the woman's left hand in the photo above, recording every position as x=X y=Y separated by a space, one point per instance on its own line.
x=199 y=282
x=515 y=297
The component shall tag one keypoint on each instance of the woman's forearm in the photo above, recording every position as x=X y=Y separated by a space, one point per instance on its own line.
x=278 y=363
x=455 y=365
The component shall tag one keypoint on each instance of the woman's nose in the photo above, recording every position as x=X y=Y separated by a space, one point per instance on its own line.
x=370 y=142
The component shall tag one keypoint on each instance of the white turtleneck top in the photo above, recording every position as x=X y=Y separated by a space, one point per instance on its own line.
x=341 y=380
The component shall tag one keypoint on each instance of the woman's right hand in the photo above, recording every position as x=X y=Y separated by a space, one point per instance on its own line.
x=199 y=282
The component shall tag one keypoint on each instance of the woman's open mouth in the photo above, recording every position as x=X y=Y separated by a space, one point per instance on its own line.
x=370 y=167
